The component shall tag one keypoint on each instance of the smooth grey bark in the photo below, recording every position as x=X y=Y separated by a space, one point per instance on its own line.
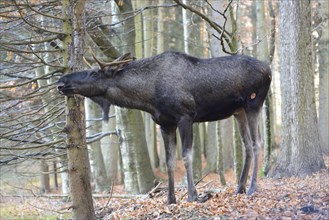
x=110 y=148
x=45 y=183
x=138 y=175
x=151 y=140
x=238 y=151
x=220 y=160
x=130 y=127
x=191 y=31
x=95 y=152
x=160 y=47
x=263 y=54
x=211 y=149
x=150 y=127
x=197 y=151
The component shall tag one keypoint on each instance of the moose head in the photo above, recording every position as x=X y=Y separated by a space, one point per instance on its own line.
x=93 y=83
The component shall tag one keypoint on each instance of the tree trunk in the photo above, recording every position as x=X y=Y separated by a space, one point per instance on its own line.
x=55 y=175
x=78 y=160
x=138 y=175
x=100 y=178
x=191 y=35
x=263 y=54
x=301 y=153
x=324 y=78
x=110 y=147
x=45 y=184
x=147 y=30
x=160 y=47
x=151 y=140
x=211 y=149
x=227 y=138
x=197 y=151
x=150 y=127
x=130 y=127
x=220 y=160
x=186 y=22
x=238 y=152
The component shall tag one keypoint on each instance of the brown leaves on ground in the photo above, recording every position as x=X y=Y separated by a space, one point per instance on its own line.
x=288 y=198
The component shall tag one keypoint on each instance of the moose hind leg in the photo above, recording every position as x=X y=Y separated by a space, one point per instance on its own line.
x=245 y=135
x=186 y=133
x=169 y=138
x=253 y=119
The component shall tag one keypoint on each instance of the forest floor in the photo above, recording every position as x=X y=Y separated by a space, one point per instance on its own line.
x=287 y=198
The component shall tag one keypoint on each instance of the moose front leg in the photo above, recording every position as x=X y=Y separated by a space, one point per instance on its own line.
x=169 y=139
x=186 y=133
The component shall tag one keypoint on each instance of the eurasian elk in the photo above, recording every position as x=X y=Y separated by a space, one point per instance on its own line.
x=178 y=90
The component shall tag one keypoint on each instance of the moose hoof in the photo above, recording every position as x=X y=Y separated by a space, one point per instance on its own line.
x=193 y=197
x=169 y=202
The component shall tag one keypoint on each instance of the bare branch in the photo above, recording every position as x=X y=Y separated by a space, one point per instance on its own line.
x=97 y=137
x=224 y=35
x=44 y=14
x=34 y=25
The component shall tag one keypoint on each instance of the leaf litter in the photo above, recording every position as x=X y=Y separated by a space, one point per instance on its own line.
x=286 y=198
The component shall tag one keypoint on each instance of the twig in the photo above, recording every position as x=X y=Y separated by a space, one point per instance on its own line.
x=110 y=197
x=51 y=210
x=16 y=187
x=206 y=184
x=224 y=35
x=154 y=189
x=196 y=183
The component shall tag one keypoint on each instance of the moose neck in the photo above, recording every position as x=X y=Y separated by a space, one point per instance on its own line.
x=132 y=90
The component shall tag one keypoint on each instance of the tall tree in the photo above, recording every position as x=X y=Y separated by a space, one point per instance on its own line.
x=95 y=152
x=78 y=160
x=264 y=55
x=136 y=162
x=190 y=33
x=229 y=126
x=220 y=161
x=324 y=76
x=150 y=127
x=110 y=147
x=197 y=153
x=160 y=48
x=300 y=154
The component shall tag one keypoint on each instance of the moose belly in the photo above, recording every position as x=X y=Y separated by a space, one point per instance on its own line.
x=216 y=111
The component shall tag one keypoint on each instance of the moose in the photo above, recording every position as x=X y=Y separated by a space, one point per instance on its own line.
x=178 y=90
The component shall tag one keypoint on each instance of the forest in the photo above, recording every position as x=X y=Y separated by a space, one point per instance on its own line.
x=60 y=160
